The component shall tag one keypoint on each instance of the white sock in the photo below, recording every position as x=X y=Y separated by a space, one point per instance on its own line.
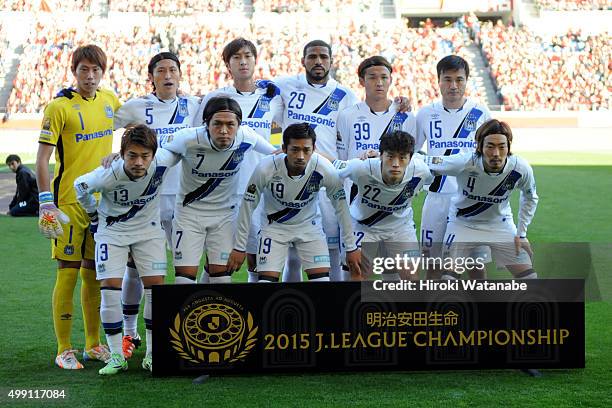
x=336 y=274
x=148 y=318
x=167 y=227
x=253 y=277
x=131 y=295
x=293 y=267
x=183 y=280
x=110 y=314
x=220 y=279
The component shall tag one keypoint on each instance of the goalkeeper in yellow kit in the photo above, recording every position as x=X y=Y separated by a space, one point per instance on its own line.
x=78 y=125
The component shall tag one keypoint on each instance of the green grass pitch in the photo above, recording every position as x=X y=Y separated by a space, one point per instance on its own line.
x=574 y=207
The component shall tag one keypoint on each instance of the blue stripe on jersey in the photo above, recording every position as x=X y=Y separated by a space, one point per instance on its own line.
x=330 y=104
x=209 y=186
x=406 y=193
x=261 y=107
x=152 y=187
x=507 y=184
x=181 y=112
x=311 y=186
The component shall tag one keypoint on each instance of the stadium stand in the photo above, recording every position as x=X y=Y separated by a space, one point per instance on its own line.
x=176 y=6
x=45 y=5
x=569 y=72
x=573 y=5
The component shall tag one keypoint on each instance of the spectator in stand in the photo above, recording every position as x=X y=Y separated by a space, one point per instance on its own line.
x=573 y=5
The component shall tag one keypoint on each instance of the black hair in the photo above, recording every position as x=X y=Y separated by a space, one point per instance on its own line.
x=236 y=45
x=299 y=131
x=162 y=56
x=452 y=63
x=317 y=43
x=397 y=141
x=140 y=135
x=375 y=61
x=12 y=157
x=218 y=104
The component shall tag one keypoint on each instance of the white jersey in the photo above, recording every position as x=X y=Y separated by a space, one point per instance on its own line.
x=127 y=207
x=360 y=129
x=208 y=177
x=165 y=117
x=377 y=205
x=483 y=197
x=447 y=132
x=318 y=105
x=258 y=113
x=289 y=201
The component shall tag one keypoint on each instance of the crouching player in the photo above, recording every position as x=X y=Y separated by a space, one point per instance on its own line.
x=382 y=209
x=480 y=213
x=129 y=223
x=290 y=184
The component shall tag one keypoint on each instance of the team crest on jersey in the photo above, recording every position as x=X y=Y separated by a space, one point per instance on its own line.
x=183 y=108
x=156 y=181
x=69 y=250
x=108 y=111
x=470 y=122
x=46 y=123
x=407 y=193
x=333 y=104
x=277 y=178
x=313 y=186
x=435 y=116
x=509 y=184
x=238 y=156
x=252 y=189
x=264 y=104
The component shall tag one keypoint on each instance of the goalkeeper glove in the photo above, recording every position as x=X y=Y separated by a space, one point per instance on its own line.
x=50 y=218
x=271 y=89
x=93 y=222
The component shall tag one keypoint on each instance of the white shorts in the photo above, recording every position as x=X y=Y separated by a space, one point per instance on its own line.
x=309 y=243
x=166 y=207
x=463 y=241
x=433 y=221
x=373 y=244
x=196 y=233
x=149 y=257
x=329 y=220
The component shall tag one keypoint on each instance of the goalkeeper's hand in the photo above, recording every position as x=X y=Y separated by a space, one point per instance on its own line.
x=50 y=218
x=93 y=222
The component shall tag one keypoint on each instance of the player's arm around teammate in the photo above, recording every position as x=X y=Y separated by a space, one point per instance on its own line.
x=129 y=223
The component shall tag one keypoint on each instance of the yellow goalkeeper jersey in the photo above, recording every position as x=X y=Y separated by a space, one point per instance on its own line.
x=81 y=129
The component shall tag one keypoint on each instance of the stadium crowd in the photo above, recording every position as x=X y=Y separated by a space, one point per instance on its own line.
x=526 y=69
x=567 y=72
x=176 y=6
x=573 y=5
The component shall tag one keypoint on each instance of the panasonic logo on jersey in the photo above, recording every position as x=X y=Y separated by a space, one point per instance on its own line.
x=452 y=143
x=253 y=124
x=94 y=135
x=311 y=118
x=366 y=146
x=485 y=199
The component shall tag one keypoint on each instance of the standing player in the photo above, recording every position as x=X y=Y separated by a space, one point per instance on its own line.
x=361 y=126
x=448 y=128
x=290 y=184
x=260 y=107
x=480 y=213
x=78 y=124
x=129 y=224
x=316 y=98
x=165 y=112
x=382 y=207
x=206 y=205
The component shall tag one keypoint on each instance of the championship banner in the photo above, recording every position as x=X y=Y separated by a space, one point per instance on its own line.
x=374 y=325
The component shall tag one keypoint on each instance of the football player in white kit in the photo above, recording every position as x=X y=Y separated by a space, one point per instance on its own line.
x=260 y=107
x=206 y=205
x=361 y=126
x=165 y=112
x=382 y=207
x=316 y=98
x=447 y=127
x=480 y=212
x=129 y=222
x=290 y=185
